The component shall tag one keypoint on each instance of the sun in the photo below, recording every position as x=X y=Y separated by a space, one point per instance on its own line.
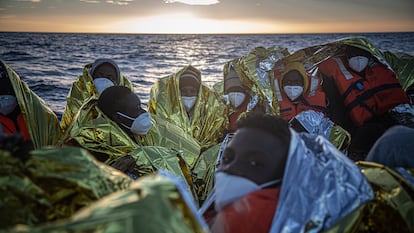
x=182 y=23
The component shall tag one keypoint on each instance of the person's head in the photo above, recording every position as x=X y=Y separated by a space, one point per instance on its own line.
x=123 y=106
x=8 y=100
x=259 y=148
x=234 y=88
x=255 y=157
x=294 y=80
x=189 y=87
x=105 y=73
x=357 y=58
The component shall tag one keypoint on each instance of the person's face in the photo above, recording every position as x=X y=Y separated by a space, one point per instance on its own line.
x=254 y=154
x=105 y=70
x=189 y=91
x=293 y=78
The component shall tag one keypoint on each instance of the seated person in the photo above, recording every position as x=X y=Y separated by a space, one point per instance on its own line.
x=239 y=97
x=11 y=117
x=95 y=131
x=96 y=77
x=263 y=181
x=189 y=88
x=124 y=107
x=248 y=179
x=185 y=101
x=23 y=112
x=368 y=87
x=114 y=129
x=302 y=102
x=298 y=91
x=246 y=86
x=362 y=90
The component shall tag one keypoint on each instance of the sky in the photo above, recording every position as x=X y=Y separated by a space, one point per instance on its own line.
x=207 y=16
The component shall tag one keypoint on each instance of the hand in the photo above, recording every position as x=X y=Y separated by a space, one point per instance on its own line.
x=124 y=163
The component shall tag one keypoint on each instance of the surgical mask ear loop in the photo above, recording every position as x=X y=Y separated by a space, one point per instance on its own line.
x=127 y=117
x=270 y=183
x=137 y=126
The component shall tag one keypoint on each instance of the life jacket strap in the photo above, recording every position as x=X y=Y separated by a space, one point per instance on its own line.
x=368 y=94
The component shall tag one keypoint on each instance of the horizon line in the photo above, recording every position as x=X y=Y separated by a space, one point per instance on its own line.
x=209 y=33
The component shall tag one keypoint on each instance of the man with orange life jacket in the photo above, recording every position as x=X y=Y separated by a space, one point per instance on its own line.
x=367 y=87
x=297 y=91
x=11 y=118
x=365 y=90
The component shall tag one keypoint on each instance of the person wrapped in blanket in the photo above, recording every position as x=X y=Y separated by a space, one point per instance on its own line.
x=363 y=89
x=182 y=99
x=246 y=86
x=24 y=116
x=238 y=96
x=303 y=103
x=272 y=179
x=115 y=129
x=95 y=78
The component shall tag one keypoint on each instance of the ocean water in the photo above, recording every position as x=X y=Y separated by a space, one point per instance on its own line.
x=50 y=62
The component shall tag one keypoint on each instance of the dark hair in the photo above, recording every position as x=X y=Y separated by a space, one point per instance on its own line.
x=274 y=125
x=112 y=99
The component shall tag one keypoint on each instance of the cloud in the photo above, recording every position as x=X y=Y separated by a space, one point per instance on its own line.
x=194 y=2
x=115 y=2
x=90 y=1
x=119 y=2
x=35 y=1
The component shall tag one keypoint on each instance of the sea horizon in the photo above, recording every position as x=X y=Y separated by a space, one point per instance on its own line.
x=49 y=62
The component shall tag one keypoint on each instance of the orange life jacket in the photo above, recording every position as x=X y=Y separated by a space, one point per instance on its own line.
x=313 y=98
x=233 y=117
x=8 y=127
x=366 y=97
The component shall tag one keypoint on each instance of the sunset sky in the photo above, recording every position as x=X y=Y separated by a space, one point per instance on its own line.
x=207 y=16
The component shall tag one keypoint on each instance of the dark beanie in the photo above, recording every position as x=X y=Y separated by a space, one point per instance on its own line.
x=113 y=98
x=99 y=62
x=232 y=81
x=352 y=51
x=189 y=78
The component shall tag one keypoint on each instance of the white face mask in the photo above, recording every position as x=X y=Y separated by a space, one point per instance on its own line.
x=101 y=84
x=293 y=92
x=140 y=125
x=188 y=102
x=358 y=63
x=229 y=188
x=236 y=98
x=7 y=104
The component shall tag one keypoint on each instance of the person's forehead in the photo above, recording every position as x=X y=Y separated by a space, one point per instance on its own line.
x=355 y=51
x=293 y=75
x=252 y=139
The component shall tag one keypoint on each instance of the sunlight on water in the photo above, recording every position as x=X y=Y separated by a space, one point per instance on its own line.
x=50 y=62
